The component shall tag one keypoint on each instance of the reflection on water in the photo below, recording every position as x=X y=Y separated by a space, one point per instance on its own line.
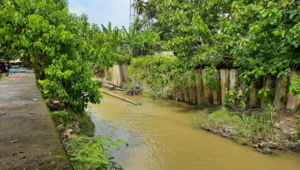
x=161 y=137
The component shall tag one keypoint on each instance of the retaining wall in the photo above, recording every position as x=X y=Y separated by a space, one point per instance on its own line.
x=229 y=80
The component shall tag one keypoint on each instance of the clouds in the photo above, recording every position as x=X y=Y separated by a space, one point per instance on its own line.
x=103 y=11
x=77 y=10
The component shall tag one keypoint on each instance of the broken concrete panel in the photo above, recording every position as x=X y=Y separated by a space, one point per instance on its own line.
x=224 y=75
x=253 y=95
x=216 y=94
x=199 y=88
x=207 y=93
x=123 y=69
x=233 y=79
x=292 y=102
x=280 y=93
x=192 y=92
x=267 y=83
x=116 y=74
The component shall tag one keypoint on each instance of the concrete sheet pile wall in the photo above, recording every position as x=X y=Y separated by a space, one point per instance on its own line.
x=196 y=91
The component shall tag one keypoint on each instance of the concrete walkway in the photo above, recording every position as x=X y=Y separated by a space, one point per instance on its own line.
x=28 y=138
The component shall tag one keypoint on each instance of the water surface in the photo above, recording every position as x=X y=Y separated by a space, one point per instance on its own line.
x=161 y=137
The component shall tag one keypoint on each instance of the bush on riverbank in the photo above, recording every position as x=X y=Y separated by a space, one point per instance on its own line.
x=139 y=67
x=91 y=152
x=85 y=150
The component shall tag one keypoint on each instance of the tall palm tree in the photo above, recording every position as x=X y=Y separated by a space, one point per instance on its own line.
x=139 y=6
x=138 y=23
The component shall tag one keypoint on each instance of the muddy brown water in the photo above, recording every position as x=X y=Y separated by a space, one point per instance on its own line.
x=162 y=138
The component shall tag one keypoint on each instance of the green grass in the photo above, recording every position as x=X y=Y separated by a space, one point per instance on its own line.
x=242 y=128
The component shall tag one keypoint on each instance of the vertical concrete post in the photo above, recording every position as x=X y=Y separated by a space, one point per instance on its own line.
x=292 y=102
x=224 y=74
x=199 y=87
x=113 y=74
x=116 y=74
x=253 y=95
x=207 y=93
x=185 y=93
x=192 y=92
x=124 y=74
x=266 y=84
x=280 y=93
x=216 y=94
x=233 y=79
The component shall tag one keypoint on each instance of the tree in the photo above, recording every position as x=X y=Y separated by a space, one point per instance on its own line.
x=138 y=24
x=139 y=6
x=57 y=45
x=260 y=37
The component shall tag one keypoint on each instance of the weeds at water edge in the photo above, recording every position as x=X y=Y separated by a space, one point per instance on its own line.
x=253 y=128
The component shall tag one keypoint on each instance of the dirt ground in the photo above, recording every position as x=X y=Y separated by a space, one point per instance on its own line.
x=285 y=121
x=28 y=137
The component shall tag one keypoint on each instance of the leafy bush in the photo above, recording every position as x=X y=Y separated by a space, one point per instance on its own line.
x=91 y=152
x=140 y=65
x=230 y=98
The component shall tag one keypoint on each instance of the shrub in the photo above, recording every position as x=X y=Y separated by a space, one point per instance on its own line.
x=91 y=152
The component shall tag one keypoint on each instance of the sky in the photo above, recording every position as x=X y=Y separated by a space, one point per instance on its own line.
x=103 y=11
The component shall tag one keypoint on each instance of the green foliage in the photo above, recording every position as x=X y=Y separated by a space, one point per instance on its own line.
x=91 y=152
x=138 y=71
x=256 y=127
x=298 y=122
x=211 y=79
x=57 y=45
x=230 y=98
x=260 y=37
x=266 y=94
x=202 y=105
x=3 y=77
x=295 y=87
x=148 y=40
x=86 y=126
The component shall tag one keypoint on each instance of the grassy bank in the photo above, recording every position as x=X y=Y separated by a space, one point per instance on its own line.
x=257 y=130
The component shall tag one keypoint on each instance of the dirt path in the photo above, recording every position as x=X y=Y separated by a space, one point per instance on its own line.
x=28 y=138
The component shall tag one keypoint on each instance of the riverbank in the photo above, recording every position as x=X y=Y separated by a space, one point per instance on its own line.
x=29 y=139
x=265 y=131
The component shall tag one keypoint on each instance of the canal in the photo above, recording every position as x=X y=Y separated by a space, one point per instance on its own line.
x=161 y=137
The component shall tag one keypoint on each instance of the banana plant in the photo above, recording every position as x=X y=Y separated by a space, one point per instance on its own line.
x=111 y=35
x=129 y=37
x=149 y=40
